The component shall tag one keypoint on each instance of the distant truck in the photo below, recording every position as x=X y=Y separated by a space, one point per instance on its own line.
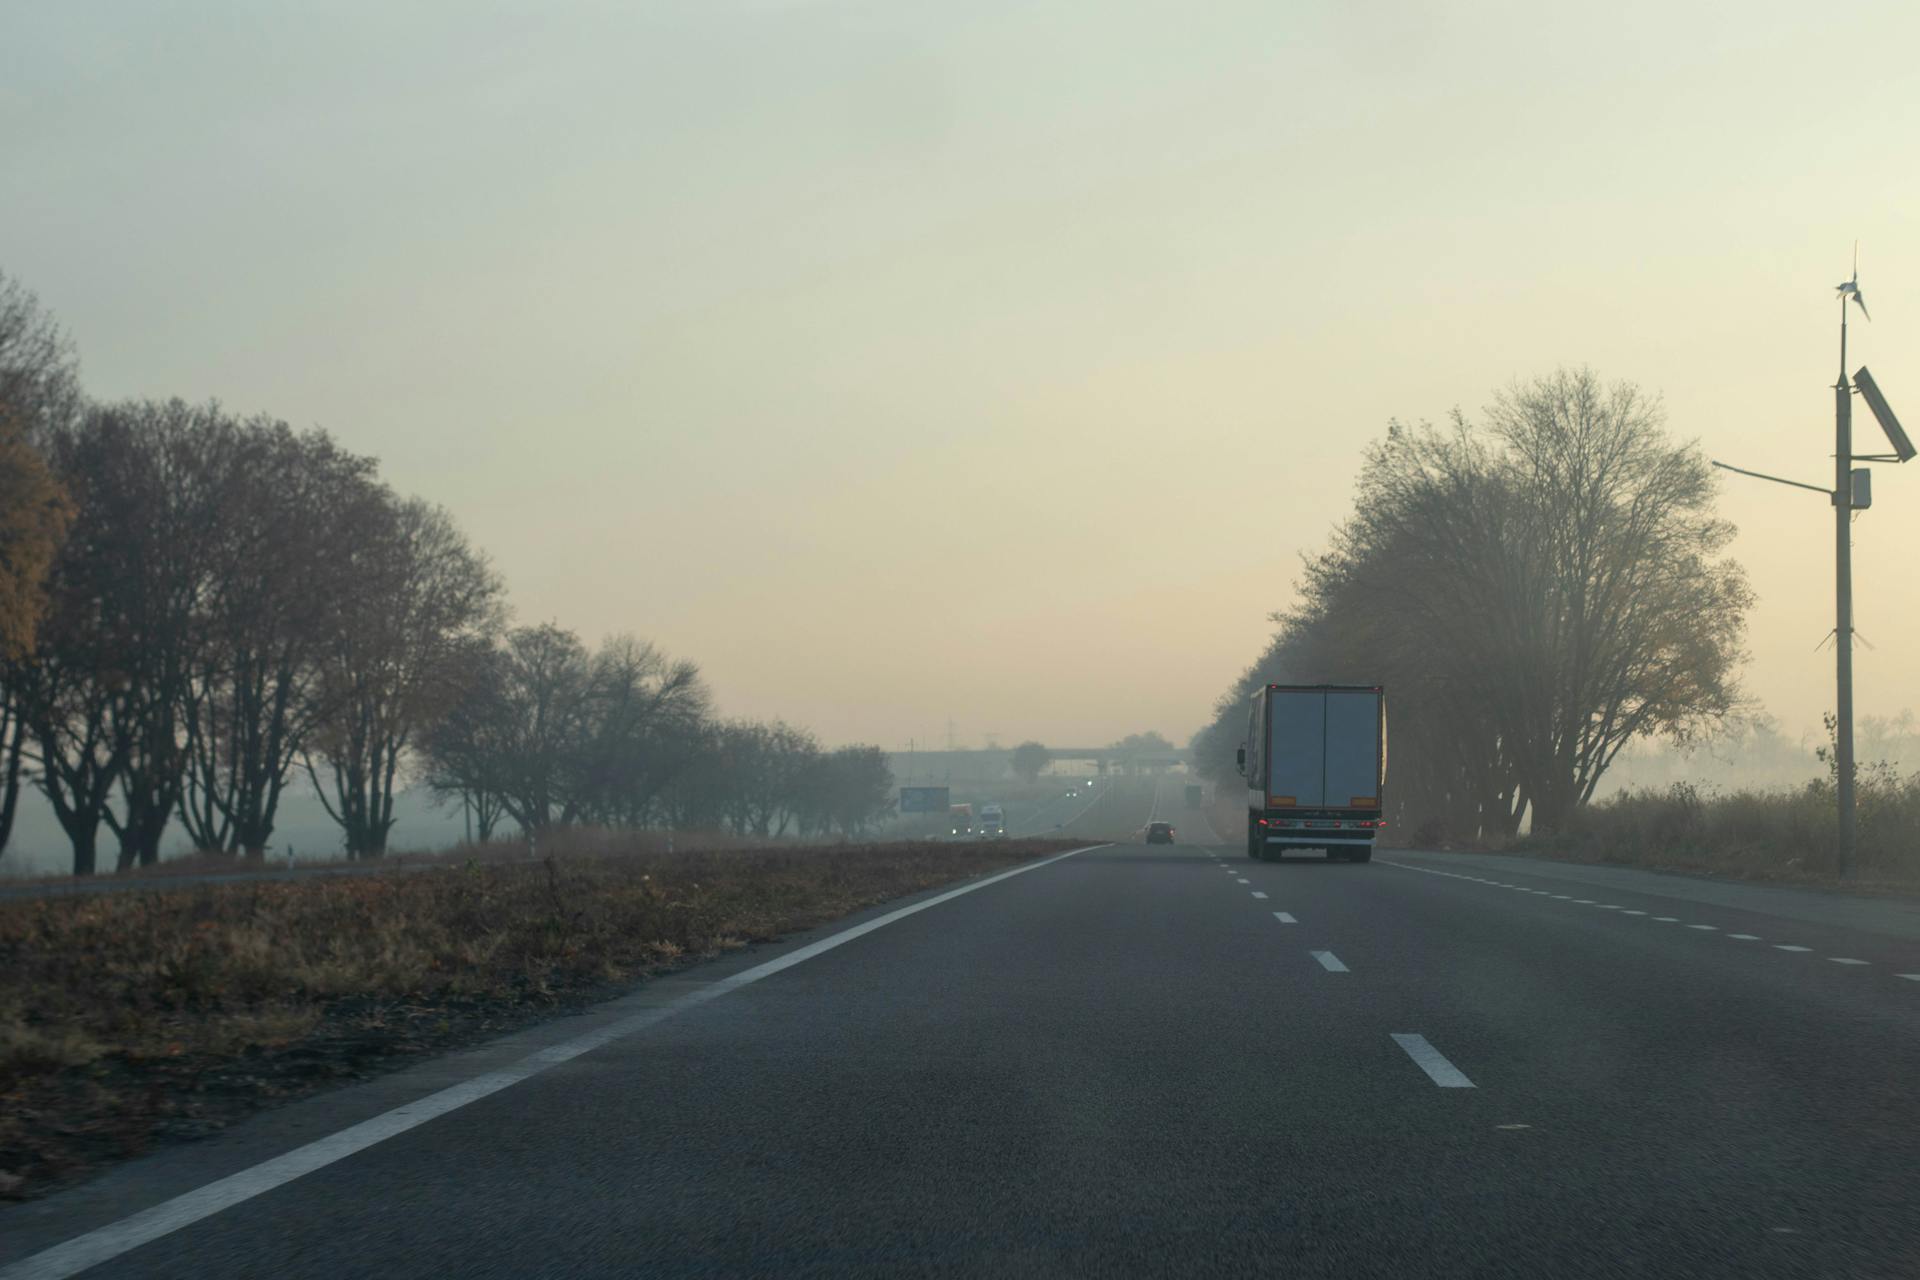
x=960 y=818
x=1194 y=795
x=1315 y=761
x=993 y=823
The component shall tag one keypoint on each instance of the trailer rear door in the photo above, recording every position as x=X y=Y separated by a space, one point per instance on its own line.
x=1296 y=737
x=1353 y=748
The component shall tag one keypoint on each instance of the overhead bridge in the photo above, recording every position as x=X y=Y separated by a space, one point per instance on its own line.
x=1103 y=757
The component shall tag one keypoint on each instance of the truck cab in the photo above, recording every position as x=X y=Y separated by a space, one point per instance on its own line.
x=960 y=818
x=993 y=823
x=1315 y=761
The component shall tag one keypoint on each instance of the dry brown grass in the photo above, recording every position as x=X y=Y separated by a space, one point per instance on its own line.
x=132 y=1016
x=583 y=840
x=1784 y=835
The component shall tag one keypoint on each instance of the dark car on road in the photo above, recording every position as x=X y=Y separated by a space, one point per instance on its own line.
x=1159 y=833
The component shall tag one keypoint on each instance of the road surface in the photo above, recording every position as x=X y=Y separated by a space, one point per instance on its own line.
x=1130 y=1060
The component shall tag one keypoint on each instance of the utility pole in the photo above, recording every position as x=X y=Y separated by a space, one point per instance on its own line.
x=1851 y=492
x=1843 y=595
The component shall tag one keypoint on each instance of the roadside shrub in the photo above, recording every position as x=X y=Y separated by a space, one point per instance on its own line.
x=1777 y=833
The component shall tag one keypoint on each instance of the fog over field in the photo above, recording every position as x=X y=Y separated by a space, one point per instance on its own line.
x=961 y=375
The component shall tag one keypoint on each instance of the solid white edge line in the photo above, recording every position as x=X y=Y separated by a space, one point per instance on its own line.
x=105 y=1243
x=1431 y=1061
x=1329 y=961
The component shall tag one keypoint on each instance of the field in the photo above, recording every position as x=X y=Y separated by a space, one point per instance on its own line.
x=133 y=1018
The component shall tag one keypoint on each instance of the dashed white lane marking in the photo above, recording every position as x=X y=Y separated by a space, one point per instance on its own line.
x=1429 y=1060
x=1626 y=911
x=1284 y=917
x=1244 y=880
x=106 y=1243
x=1328 y=961
x=1258 y=894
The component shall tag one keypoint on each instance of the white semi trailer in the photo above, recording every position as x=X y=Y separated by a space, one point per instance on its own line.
x=1315 y=761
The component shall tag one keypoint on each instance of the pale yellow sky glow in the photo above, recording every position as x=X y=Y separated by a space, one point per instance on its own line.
x=984 y=361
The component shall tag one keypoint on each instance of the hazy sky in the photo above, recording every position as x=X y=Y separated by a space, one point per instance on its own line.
x=983 y=360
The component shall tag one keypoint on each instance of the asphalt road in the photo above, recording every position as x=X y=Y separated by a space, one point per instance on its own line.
x=1136 y=1060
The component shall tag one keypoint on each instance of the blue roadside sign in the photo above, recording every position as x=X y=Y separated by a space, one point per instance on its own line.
x=923 y=799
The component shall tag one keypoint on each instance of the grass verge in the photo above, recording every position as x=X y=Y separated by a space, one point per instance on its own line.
x=136 y=1018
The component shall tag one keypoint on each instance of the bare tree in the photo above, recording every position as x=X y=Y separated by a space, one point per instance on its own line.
x=559 y=736
x=1029 y=758
x=847 y=790
x=281 y=567
x=767 y=768
x=38 y=389
x=466 y=749
x=1535 y=592
x=388 y=667
x=105 y=697
x=648 y=713
x=39 y=373
x=543 y=714
x=66 y=701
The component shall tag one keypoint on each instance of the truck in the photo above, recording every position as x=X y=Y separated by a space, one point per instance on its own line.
x=960 y=818
x=993 y=823
x=1194 y=795
x=1315 y=761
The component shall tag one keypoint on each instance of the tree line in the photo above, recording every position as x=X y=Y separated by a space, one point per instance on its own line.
x=546 y=733
x=1535 y=590
x=199 y=610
